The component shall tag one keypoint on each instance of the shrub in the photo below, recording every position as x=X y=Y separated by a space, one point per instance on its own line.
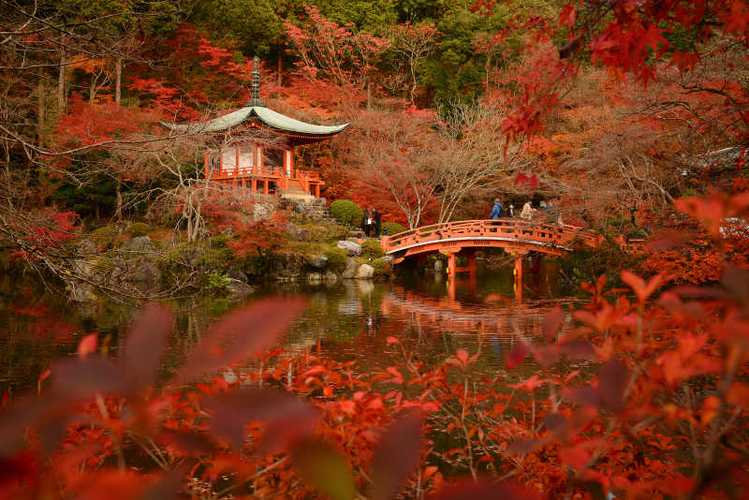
x=372 y=249
x=391 y=228
x=382 y=267
x=215 y=258
x=217 y=281
x=336 y=258
x=139 y=229
x=346 y=212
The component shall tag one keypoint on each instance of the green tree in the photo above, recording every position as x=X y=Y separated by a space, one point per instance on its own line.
x=255 y=25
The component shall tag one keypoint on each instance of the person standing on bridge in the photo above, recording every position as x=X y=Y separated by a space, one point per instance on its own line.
x=496 y=210
x=527 y=212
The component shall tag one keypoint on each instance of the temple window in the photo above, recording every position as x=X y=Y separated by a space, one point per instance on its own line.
x=273 y=158
x=229 y=160
x=246 y=157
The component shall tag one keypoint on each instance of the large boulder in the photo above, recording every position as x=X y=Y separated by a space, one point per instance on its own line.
x=297 y=233
x=145 y=272
x=317 y=261
x=350 y=270
x=140 y=244
x=238 y=288
x=81 y=292
x=351 y=247
x=365 y=272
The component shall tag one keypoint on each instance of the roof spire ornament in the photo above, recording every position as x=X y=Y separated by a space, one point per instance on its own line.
x=255 y=101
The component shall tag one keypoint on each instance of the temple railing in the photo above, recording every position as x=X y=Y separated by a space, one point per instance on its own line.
x=461 y=233
x=263 y=172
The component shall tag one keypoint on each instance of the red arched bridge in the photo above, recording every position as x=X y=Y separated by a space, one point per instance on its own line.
x=516 y=236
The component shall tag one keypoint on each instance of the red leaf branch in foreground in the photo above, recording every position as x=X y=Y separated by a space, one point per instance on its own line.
x=396 y=456
x=241 y=334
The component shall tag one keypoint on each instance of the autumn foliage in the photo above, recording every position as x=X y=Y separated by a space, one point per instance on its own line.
x=625 y=111
x=615 y=405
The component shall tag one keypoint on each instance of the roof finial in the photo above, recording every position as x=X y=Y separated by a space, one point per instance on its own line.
x=255 y=101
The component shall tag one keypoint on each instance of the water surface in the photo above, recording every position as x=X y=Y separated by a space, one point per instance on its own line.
x=348 y=321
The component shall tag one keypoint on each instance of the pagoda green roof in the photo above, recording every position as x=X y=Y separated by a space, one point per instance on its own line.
x=265 y=115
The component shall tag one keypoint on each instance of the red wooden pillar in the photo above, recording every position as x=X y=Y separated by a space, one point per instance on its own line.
x=266 y=186
x=206 y=172
x=452 y=258
x=317 y=190
x=518 y=275
x=293 y=163
x=471 y=262
x=288 y=164
x=236 y=160
x=254 y=185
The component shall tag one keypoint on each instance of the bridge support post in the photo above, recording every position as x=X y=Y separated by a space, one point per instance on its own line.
x=471 y=262
x=518 y=274
x=452 y=265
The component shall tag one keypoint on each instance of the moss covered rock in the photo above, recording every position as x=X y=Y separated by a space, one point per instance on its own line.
x=137 y=229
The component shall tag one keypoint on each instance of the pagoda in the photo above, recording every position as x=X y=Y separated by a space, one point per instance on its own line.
x=254 y=147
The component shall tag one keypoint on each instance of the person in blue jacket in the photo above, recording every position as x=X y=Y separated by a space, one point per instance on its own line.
x=496 y=210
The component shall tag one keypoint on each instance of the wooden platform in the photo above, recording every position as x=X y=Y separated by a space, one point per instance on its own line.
x=270 y=180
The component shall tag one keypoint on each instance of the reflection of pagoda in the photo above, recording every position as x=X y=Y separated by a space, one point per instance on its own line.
x=254 y=147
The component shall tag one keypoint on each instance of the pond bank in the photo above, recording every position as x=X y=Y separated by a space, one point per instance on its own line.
x=137 y=262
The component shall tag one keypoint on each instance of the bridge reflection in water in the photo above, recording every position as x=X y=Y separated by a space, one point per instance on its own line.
x=515 y=236
x=509 y=322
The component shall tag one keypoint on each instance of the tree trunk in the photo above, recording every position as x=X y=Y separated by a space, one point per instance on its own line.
x=118 y=207
x=118 y=81
x=414 y=82
x=61 y=100
x=279 y=68
x=41 y=110
x=369 y=94
x=188 y=216
x=92 y=89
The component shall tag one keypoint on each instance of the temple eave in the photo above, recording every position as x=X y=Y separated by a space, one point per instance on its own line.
x=272 y=119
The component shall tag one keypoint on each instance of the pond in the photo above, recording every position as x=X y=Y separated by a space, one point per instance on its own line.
x=348 y=321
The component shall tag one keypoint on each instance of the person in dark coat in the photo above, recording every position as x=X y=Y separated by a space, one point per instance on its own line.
x=377 y=219
x=366 y=222
x=496 y=210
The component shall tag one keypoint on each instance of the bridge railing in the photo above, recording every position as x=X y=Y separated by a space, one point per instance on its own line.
x=511 y=229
